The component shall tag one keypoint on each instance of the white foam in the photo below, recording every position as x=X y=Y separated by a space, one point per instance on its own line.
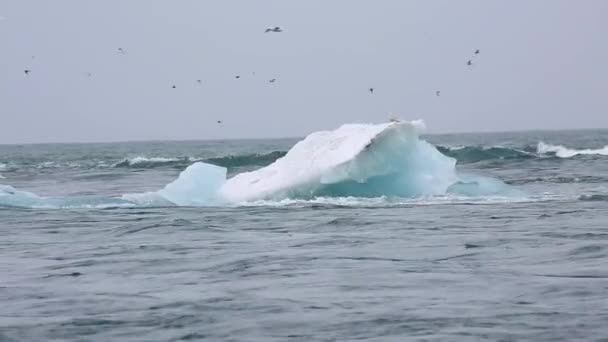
x=140 y=160
x=564 y=152
x=383 y=202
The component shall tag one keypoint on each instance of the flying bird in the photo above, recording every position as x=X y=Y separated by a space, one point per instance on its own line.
x=219 y=121
x=477 y=52
x=275 y=29
x=89 y=75
x=371 y=90
x=438 y=93
x=174 y=87
x=272 y=80
x=27 y=71
x=199 y=81
x=237 y=76
x=121 y=50
x=469 y=62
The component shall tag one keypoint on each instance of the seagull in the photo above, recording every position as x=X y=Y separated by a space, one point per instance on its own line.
x=219 y=121
x=371 y=90
x=27 y=71
x=438 y=93
x=275 y=29
x=174 y=87
x=477 y=52
x=469 y=62
x=272 y=80
x=237 y=76
x=121 y=51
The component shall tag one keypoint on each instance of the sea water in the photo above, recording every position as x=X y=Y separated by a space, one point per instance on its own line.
x=391 y=237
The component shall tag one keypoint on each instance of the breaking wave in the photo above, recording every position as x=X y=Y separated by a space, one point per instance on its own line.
x=146 y=163
x=564 y=152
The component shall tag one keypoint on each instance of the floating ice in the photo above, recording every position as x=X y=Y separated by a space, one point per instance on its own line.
x=355 y=160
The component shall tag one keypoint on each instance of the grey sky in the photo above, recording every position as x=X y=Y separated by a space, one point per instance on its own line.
x=543 y=65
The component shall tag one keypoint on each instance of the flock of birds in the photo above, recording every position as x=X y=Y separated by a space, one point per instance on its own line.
x=275 y=29
x=438 y=92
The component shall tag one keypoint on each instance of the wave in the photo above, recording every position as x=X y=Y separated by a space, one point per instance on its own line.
x=355 y=160
x=564 y=152
x=473 y=154
x=559 y=180
x=463 y=155
x=246 y=159
x=152 y=162
x=143 y=162
x=594 y=198
x=231 y=161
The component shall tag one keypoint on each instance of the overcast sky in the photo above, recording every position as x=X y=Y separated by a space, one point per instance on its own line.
x=543 y=65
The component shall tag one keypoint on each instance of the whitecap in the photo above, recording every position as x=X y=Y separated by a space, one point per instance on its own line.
x=564 y=152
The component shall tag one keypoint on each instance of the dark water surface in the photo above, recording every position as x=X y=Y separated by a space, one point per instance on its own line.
x=531 y=268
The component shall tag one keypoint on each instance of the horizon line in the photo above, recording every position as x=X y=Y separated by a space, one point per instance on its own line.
x=289 y=137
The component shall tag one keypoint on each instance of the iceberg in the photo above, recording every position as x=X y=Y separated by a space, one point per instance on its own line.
x=355 y=160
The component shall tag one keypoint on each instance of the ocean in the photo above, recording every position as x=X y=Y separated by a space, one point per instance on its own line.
x=363 y=259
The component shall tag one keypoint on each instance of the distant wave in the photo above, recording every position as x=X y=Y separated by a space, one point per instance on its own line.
x=463 y=154
x=473 y=154
x=559 y=180
x=152 y=162
x=246 y=159
x=564 y=152
x=230 y=161
x=594 y=198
